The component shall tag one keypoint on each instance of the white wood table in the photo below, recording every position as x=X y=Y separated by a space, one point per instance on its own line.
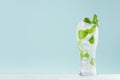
x=57 y=77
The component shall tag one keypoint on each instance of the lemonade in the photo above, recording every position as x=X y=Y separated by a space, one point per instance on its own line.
x=87 y=38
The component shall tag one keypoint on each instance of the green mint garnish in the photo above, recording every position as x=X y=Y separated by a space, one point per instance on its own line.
x=91 y=40
x=94 y=21
x=84 y=55
x=82 y=34
x=92 y=61
x=92 y=29
x=87 y=20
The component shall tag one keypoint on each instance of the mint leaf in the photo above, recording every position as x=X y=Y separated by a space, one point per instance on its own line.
x=95 y=17
x=82 y=34
x=91 y=30
x=95 y=20
x=91 y=40
x=84 y=55
x=92 y=61
x=87 y=20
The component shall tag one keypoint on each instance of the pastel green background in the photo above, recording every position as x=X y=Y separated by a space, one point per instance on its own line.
x=39 y=36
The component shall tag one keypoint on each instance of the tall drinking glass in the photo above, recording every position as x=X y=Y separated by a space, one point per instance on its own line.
x=87 y=38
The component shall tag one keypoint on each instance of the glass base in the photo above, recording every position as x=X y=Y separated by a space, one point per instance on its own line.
x=88 y=74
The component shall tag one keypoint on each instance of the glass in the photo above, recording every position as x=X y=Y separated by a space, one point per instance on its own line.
x=87 y=38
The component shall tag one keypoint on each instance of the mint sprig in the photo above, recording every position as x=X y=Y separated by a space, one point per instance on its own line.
x=87 y=20
x=94 y=21
x=91 y=40
x=83 y=33
x=92 y=61
x=84 y=55
x=92 y=29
